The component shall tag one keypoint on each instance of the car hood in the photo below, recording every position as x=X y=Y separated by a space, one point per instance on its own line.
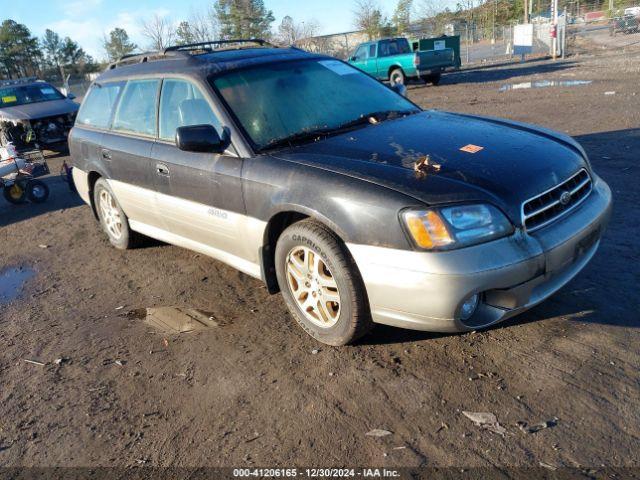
x=516 y=161
x=32 y=111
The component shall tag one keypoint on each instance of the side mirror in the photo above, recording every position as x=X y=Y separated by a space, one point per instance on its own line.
x=399 y=88
x=70 y=96
x=352 y=59
x=199 y=138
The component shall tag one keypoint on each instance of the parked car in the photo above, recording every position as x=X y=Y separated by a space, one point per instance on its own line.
x=626 y=24
x=360 y=207
x=34 y=112
x=393 y=60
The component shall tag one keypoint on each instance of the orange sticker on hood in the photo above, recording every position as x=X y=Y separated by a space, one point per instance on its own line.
x=471 y=148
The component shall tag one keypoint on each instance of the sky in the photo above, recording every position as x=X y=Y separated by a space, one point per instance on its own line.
x=86 y=21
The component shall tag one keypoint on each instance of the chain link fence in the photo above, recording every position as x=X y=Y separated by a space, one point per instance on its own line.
x=614 y=28
x=582 y=25
x=78 y=87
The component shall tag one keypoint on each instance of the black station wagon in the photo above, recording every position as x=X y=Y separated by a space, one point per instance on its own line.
x=334 y=189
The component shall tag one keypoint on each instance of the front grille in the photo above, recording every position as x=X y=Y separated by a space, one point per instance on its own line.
x=556 y=202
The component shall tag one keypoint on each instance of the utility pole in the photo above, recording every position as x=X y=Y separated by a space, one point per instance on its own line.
x=564 y=34
x=493 y=23
x=554 y=26
x=526 y=11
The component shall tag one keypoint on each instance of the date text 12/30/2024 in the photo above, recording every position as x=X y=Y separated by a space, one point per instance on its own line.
x=315 y=473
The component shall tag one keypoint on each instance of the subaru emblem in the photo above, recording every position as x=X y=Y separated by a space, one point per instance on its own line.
x=565 y=198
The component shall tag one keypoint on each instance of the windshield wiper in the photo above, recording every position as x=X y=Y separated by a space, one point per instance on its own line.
x=383 y=115
x=298 y=138
x=318 y=133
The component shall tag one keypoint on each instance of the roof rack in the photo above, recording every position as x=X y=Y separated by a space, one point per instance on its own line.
x=186 y=50
x=212 y=45
x=18 y=81
x=141 y=58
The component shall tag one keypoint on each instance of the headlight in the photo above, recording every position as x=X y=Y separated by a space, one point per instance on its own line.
x=454 y=227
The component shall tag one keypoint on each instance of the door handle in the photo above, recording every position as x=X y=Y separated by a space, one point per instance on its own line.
x=162 y=169
x=106 y=154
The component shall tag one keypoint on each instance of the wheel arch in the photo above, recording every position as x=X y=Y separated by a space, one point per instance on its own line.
x=393 y=67
x=279 y=221
x=92 y=177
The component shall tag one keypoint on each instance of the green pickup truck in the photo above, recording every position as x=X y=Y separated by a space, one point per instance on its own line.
x=393 y=60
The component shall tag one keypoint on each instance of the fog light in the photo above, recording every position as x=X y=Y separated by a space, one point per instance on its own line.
x=469 y=307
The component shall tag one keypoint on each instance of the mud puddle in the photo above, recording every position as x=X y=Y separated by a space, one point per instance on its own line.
x=176 y=319
x=12 y=280
x=544 y=84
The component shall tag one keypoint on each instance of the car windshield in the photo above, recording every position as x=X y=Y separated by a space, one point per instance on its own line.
x=301 y=100
x=23 y=94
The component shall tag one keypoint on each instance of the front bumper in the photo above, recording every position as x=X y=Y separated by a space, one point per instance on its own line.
x=425 y=290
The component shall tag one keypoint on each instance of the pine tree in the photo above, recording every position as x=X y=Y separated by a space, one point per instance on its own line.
x=19 y=51
x=243 y=19
x=184 y=33
x=118 y=44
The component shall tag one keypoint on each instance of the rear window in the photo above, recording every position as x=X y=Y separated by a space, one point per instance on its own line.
x=397 y=46
x=98 y=105
x=136 y=111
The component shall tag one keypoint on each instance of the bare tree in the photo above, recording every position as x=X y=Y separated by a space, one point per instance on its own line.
x=429 y=8
x=160 y=32
x=468 y=7
x=204 y=25
x=368 y=17
x=290 y=32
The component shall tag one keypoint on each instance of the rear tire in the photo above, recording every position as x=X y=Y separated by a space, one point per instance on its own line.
x=434 y=79
x=321 y=284
x=112 y=218
x=397 y=76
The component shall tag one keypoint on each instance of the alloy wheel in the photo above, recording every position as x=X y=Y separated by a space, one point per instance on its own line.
x=110 y=214
x=313 y=286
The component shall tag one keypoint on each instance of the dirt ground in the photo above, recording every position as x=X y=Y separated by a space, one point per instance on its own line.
x=255 y=390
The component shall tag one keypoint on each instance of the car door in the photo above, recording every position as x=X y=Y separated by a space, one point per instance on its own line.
x=360 y=59
x=199 y=195
x=94 y=118
x=383 y=63
x=372 y=60
x=126 y=149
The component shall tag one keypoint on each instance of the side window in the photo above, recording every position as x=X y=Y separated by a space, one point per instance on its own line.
x=372 y=51
x=136 y=111
x=384 y=48
x=97 y=108
x=183 y=104
x=361 y=53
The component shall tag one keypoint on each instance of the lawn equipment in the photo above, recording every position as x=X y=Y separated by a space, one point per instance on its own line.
x=19 y=172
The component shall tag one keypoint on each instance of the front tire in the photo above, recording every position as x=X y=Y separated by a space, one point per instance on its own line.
x=112 y=218
x=321 y=284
